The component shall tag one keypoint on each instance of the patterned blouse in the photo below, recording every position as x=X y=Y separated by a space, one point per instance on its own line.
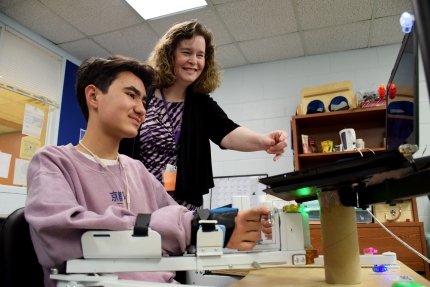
x=157 y=142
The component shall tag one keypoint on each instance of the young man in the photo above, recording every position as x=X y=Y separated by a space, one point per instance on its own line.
x=72 y=189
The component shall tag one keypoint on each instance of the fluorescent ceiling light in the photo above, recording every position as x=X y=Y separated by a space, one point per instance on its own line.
x=150 y=9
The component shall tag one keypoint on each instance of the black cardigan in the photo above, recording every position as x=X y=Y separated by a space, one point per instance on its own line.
x=203 y=119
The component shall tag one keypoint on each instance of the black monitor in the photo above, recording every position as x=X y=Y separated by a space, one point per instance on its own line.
x=402 y=119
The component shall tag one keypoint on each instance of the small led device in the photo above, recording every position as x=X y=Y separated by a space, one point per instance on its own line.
x=379 y=268
x=407 y=21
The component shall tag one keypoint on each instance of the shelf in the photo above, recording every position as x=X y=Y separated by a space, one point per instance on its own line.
x=368 y=123
x=314 y=159
x=372 y=113
x=341 y=153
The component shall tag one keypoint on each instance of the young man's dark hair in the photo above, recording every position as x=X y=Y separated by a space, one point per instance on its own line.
x=102 y=72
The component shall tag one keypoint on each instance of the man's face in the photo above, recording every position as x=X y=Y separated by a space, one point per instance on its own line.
x=121 y=110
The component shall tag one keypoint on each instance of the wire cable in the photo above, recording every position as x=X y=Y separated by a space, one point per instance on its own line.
x=398 y=238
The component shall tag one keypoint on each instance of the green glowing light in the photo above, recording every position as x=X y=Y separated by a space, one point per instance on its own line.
x=306 y=191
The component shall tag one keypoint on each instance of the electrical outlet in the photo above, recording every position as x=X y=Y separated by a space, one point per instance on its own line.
x=299 y=259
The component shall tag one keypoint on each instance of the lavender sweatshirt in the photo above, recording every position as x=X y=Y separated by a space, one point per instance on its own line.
x=69 y=194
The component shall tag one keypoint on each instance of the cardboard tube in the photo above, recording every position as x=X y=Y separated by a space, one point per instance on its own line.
x=340 y=241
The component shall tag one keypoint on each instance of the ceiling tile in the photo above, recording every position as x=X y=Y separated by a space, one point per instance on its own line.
x=83 y=49
x=206 y=16
x=339 y=38
x=42 y=21
x=125 y=42
x=245 y=31
x=220 y=1
x=385 y=31
x=272 y=49
x=9 y=3
x=229 y=56
x=95 y=16
x=313 y=14
x=392 y=7
x=254 y=19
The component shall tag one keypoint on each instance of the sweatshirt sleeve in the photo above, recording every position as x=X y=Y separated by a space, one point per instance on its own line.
x=174 y=225
x=57 y=212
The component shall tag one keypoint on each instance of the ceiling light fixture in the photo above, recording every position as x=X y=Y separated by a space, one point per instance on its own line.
x=155 y=9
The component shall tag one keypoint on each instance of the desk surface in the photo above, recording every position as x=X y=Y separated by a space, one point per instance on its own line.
x=314 y=277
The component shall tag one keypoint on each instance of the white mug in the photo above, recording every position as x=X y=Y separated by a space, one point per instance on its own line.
x=360 y=143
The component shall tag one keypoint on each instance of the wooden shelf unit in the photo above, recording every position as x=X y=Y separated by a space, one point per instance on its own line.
x=368 y=123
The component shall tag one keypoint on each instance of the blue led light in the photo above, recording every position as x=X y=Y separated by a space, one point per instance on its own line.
x=407 y=21
x=379 y=268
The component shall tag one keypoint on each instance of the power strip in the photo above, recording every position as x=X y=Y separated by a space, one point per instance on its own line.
x=386 y=258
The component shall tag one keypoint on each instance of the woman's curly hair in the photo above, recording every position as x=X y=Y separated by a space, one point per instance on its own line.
x=162 y=58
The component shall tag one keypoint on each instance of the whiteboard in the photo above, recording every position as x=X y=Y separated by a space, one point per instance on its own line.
x=239 y=185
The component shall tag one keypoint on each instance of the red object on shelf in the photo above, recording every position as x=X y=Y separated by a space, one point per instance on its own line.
x=381 y=91
x=392 y=90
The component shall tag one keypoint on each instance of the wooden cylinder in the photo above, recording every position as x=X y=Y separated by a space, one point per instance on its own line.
x=340 y=240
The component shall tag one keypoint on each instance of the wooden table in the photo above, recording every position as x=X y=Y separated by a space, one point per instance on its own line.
x=309 y=276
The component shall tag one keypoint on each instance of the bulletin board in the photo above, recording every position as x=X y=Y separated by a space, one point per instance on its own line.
x=23 y=122
x=240 y=185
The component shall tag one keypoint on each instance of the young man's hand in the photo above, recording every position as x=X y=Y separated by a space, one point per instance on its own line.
x=248 y=227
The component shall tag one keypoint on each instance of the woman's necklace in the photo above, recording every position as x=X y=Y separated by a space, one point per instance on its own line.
x=175 y=133
x=122 y=169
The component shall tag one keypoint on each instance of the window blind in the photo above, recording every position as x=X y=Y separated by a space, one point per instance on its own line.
x=29 y=67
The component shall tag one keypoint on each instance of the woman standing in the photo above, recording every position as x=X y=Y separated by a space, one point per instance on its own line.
x=173 y=142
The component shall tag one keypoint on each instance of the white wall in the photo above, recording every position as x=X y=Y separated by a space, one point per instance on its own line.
x=264 y=97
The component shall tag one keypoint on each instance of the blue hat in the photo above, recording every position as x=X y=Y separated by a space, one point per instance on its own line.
x=338 y=103
x=315 y=106
x=401 y=108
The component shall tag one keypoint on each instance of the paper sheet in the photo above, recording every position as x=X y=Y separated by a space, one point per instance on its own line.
x=4 y=164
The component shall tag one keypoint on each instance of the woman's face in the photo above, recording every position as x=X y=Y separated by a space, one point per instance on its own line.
x=189 y=60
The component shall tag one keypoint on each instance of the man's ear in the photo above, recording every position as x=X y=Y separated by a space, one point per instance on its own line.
x=91 y=96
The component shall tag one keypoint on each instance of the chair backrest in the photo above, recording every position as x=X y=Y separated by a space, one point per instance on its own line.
x=18 y=261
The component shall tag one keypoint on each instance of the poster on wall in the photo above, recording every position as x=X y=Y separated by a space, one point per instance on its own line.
x=33 y=121
x=20 y=172
x=29 y=145
x=4 y=164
